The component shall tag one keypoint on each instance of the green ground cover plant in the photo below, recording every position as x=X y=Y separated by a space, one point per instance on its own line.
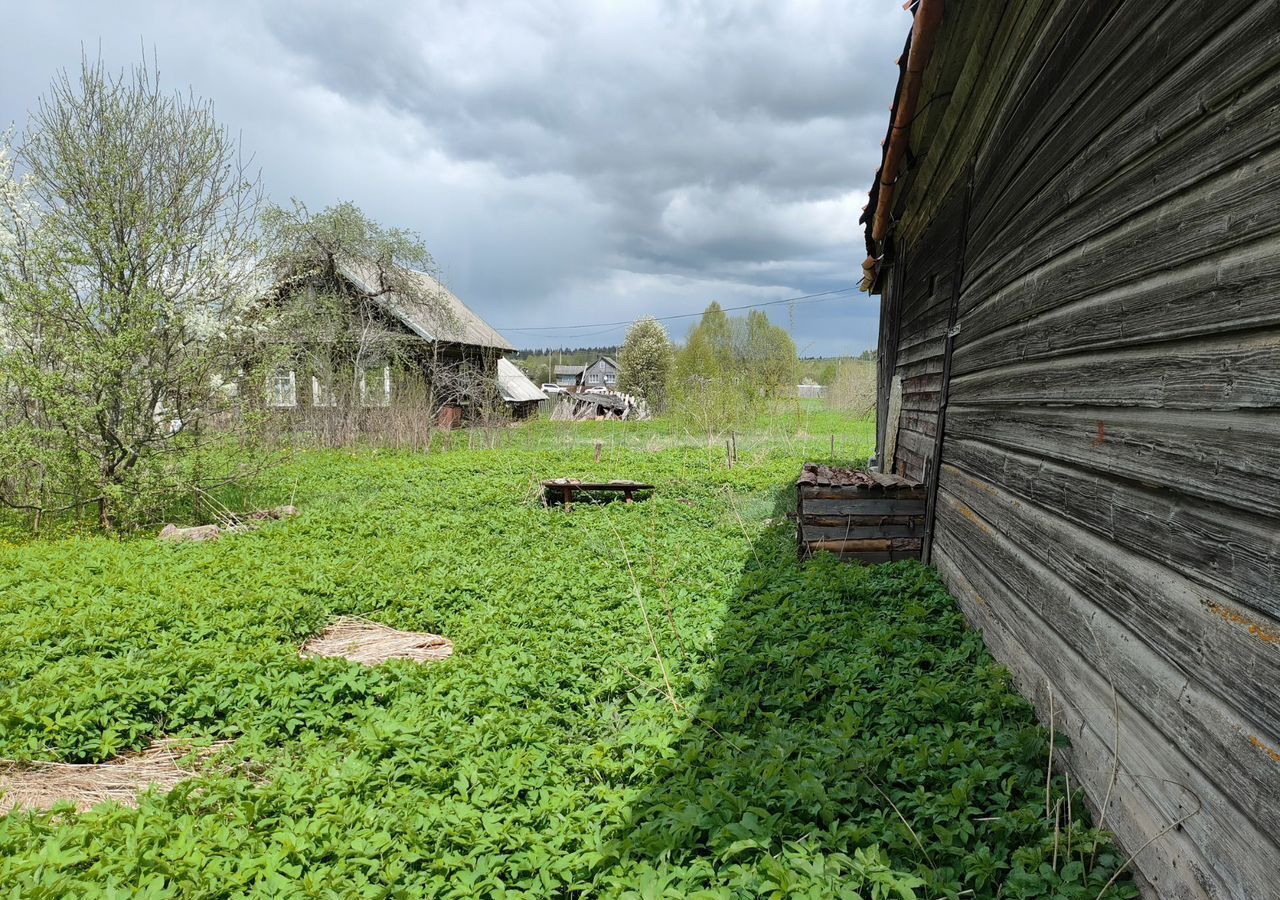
x=648 y=700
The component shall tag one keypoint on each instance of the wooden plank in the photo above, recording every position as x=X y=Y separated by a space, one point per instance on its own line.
x=864 y=507
x=1045 y=84
x=901 y=547
x=1238 y=289
x=1221 y=457
x=1221 y=372
x=1235 y=208
x=857 y=533
x=1147 y=797
x=1213 y=733
x=859 y=521
x=904 y=491
x=1226 y=550
x=1009 y=30
x=1185 y=88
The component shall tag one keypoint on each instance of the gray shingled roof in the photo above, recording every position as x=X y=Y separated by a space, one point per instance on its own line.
x=443 y=318
x=570 y=370
x=514 y=385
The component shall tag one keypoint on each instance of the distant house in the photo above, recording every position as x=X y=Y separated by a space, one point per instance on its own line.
x=430 y=347
x=603 y=373
x=520 y=395
x=569 y=376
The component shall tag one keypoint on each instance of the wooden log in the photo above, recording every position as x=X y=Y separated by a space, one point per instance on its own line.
x=904 y=547
x=1226 y=550
x=864 y=507
x=843 y=532
x=1220 y=372
x=1193 y=626
x=1221 y=457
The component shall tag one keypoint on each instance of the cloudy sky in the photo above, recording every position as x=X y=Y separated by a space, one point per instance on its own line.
x=568 y=162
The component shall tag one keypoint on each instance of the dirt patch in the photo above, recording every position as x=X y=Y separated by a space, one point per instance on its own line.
x=41 y=785
x=371 y=643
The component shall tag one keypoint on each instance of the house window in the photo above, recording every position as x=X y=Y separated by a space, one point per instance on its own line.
x=282 y=389
x=375 y=386
x=322 y=392
x=595 y=378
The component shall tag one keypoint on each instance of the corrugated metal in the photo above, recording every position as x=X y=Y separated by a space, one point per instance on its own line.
x=514 y=386
x=440 y=316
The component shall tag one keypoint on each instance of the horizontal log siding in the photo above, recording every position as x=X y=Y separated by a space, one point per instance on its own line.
x=1108 y=504
x=924 y=309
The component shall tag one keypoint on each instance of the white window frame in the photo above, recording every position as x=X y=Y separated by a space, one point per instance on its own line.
x=287 y=400
x=322 y=393
x=594 y=377
x=385 y=399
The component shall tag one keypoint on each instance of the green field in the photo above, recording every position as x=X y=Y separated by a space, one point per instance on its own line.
x=830 y=731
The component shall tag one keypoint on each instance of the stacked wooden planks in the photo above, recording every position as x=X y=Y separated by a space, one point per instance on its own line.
x=861 y=516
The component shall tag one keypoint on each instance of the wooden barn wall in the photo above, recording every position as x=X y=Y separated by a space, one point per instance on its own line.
x=920 y=298
x=1108 y=500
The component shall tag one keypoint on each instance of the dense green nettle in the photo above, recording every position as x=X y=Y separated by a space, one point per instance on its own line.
x=835 y=731
x=646 y=360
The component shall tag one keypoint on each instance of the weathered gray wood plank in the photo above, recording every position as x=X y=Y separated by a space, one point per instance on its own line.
x=1234 y=208
x=1232 y=552
x=1210 y=731
x=1158 y=144
x=1147 y=797
x=1230 y=458
x=864 y=507
x=856 y=533
x=1221 y=372
x=1235 y=290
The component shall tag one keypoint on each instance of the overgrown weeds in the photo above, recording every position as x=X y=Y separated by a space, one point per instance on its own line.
x=835 y=731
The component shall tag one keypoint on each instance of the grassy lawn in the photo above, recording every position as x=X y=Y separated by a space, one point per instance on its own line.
x=829 y=731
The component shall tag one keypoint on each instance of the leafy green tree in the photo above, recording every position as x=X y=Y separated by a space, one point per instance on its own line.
x=127 y=275
x=768 y=355
x=646 y=361
x=708 y=351
x=729 y=367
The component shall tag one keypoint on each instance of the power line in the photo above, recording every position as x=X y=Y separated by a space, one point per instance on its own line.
x=608 y=326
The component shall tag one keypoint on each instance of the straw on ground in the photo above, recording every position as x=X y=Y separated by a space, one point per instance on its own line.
x=370 y=643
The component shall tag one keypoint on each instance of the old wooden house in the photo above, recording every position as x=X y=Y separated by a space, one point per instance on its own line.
x=368 y=337
x=1075 y=237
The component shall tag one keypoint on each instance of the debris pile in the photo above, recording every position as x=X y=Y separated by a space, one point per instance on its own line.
x=588 y=405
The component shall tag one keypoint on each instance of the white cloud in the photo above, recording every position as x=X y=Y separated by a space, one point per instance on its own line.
x=559 y=158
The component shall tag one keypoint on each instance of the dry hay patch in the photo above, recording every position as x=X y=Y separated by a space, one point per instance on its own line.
x=41 y=785
x=370 y=643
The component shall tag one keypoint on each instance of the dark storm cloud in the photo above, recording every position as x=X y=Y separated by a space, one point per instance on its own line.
x=567 y=162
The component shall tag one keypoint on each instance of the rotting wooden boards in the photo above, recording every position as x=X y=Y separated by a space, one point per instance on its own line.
x=876 y=518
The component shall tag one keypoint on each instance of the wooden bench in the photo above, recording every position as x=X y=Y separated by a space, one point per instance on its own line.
x=567 y=487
